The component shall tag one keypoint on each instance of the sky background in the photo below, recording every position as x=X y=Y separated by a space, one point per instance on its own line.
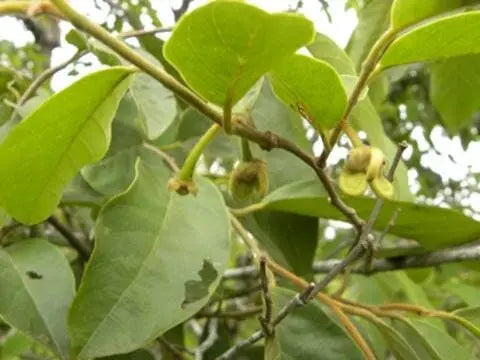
x=448 y=159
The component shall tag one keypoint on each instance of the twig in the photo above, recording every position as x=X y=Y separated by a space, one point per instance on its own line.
x=44 y=76
x=174 y=349
x=298 y=300
x=240 y=314
x=266 y=318
x=247 y=239
x=209 y=341
x=143 y=32
x=76 y=243
x=433 y=258
x=169 y=161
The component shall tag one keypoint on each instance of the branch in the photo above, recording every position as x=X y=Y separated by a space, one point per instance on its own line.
x=433 y=258
x=29 y=8
x=44 y=76
x=209 y=341
x=82 y=248
x=143 y=32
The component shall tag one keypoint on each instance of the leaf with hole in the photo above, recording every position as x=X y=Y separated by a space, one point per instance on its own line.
x=221 y=54
x=27 y=269
x=156 y=261
x=44 y=152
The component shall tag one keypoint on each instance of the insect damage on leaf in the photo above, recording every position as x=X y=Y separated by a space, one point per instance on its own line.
x=197 y=289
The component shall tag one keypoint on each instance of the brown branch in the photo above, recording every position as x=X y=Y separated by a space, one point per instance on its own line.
x=29 y=8
x=266 y=318
x=82 y=248
x=145 y=32
x=239 y=314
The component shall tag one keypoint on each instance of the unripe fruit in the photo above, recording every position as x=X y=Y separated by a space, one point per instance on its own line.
x=382 y=187
x=249 y=180
x=353 y=184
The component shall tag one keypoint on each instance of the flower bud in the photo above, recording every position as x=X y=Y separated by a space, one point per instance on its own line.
x=358 y=159
x=249 y=180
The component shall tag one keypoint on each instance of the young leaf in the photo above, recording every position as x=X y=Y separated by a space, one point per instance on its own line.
x=221 y=54
x=430 y=226
x=407 y=12
x=312 y=86
x=156 y=104
x=156 y=261
x=326 y=49
x=309 y=333
x=454 y=84
x=43 y=153
x=447 y=37
x=37 y=289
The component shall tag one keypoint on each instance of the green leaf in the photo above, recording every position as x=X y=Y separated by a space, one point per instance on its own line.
x=308 y=333
x=373 y=20
x=454 y=84
x=290 y=239
x=221 y=54
x=408 y=12
x=156 y=104
x=43 y=153
x=431 y=341
x=326 y=49
x=37 y=289
x=77 y=39
x=467 y=293
x=396 y=342
x=451 y=36
x=430 y=226
x=13 y=345
x=157 y=259
x=313 y=85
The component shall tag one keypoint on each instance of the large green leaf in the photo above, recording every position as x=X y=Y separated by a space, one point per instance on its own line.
x=156 y=261
x=430 y=341
x=43 y=153
x=221 y=54
x=373 y=20
x=454 y=84
x=314 y=86
x=309 y=333
x=407 y=12
x=37 y=289
x=430 y=226
x=364 y=116
x=156 y=104
x=451 y=36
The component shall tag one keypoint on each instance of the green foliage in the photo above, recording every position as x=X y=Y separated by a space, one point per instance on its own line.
x=308 y=332
x=251 y=45
x=43 y=153
x=28 y=269
x=322 y=100
x=451 y=36
x=454 y=83
x=90 y=168
x=156 y=257
x=428 y=225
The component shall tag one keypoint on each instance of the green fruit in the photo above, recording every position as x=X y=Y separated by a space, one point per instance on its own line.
x=382 y=187
x=249 y=180
x=358 y=159
x=353 y=184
